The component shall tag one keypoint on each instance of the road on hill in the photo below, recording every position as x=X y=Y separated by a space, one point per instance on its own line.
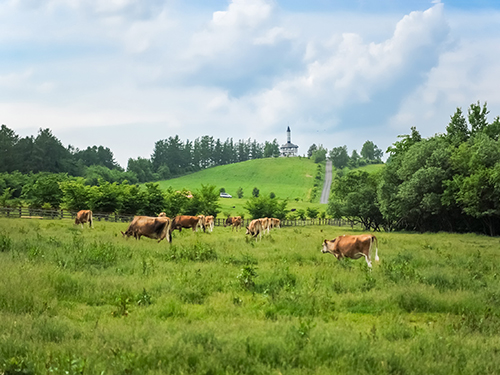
x=328 y=183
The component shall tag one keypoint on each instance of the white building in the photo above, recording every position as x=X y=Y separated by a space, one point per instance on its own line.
x=289 y=149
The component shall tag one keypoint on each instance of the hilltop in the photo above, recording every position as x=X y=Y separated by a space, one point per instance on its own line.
x=286 y=177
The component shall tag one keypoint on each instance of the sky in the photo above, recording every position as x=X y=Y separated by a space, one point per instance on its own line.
x=124 y=74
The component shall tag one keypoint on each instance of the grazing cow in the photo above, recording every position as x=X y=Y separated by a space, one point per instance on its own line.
x=234 y=221
x=255 y=228
x=84 y=216
x=201 y=222
x=185 y=221
x=275 y=223
x=151 y=227
x=209 y=222
x=353 y=247
x=266 y=224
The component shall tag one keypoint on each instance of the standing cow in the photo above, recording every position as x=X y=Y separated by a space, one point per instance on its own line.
x=151 y=227
x=209 y=222
x=353 y=247
x=84 y=216
x=255 y=229
x=235 y=222
x=185 y=221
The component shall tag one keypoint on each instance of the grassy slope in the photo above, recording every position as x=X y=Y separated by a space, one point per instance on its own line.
x=288 y=178
x=86 y=301
x=372 y=168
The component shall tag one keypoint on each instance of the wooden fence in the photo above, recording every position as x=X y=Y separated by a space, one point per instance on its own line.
x=38 y=213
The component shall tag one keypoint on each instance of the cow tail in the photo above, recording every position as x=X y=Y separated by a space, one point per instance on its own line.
x=374 y=239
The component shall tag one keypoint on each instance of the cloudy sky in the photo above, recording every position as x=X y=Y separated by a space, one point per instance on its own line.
x=126 y=73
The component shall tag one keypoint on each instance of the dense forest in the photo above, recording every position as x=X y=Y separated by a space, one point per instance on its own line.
x=448 y=182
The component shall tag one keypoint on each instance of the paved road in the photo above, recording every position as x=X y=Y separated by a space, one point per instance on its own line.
x=328 y=183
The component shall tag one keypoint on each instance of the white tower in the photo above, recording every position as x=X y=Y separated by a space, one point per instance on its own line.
x=289 y=149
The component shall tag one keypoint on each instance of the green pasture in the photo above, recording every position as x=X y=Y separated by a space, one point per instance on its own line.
x=87 y=301
x=371 y=168
x=288 y=178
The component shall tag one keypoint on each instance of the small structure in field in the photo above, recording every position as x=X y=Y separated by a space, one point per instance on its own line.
x=289 y=149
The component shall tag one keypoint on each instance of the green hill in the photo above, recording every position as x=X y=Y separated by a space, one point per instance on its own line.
x=371 y=168
x=287 y=178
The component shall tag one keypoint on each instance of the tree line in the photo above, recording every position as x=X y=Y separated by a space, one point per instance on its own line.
x=170 y=158
x=370 y=154
x=448 y=182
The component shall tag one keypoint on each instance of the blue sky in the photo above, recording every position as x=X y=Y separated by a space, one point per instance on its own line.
x=126 y=73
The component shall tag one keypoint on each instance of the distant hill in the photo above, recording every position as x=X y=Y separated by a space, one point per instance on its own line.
x=286 y=177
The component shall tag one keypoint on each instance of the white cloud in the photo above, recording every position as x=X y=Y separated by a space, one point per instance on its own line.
x=249 y=70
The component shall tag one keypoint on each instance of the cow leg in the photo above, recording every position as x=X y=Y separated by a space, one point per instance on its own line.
x=368 y=261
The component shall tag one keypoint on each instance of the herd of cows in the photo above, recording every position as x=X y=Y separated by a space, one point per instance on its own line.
x=161 y=227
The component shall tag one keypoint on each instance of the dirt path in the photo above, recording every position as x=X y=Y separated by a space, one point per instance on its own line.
x=328 y=182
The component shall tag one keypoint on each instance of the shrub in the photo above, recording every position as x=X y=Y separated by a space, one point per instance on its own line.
x=247 y=277
x=5 y=243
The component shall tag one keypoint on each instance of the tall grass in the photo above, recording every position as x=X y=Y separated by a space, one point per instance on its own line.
x=76 y=301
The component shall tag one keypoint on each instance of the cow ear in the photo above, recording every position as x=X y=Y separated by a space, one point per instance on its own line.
x=325 y=241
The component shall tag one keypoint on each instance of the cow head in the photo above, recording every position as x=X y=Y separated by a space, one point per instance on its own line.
x=127 y=233
x=328 y=246
x=249 y=231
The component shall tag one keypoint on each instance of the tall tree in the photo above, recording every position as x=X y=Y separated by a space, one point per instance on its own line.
x=371 y=152
x=272 y=149
x=49 y=155
x=478 y=117
x=457 y=130
x=339 y=157
x=8 y=141
x=311 y=150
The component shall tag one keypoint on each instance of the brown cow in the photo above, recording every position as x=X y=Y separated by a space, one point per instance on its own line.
x=255 y=228
x=209 y=222
x=151 y=227
x=353 y=247
x=266 y=224
x=275 y=223
x=84 y=216
x=185 y=221
x=235 y=222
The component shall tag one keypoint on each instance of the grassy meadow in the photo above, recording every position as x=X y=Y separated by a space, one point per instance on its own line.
x=288 y=178
x=87 y=301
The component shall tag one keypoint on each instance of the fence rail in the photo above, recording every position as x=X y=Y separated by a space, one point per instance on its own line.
x=38 y=213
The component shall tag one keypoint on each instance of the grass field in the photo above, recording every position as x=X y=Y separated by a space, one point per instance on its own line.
x=82 y=301
x=287 y=177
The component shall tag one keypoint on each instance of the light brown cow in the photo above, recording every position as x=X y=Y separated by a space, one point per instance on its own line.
x=275 y=223
x=84 y=216
x=266 y=224
x=234 y=221
x=151 y=227
x=209 y=222
x=201 y=222
x=353 y=247
x=185 y=221
x=255 y=228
